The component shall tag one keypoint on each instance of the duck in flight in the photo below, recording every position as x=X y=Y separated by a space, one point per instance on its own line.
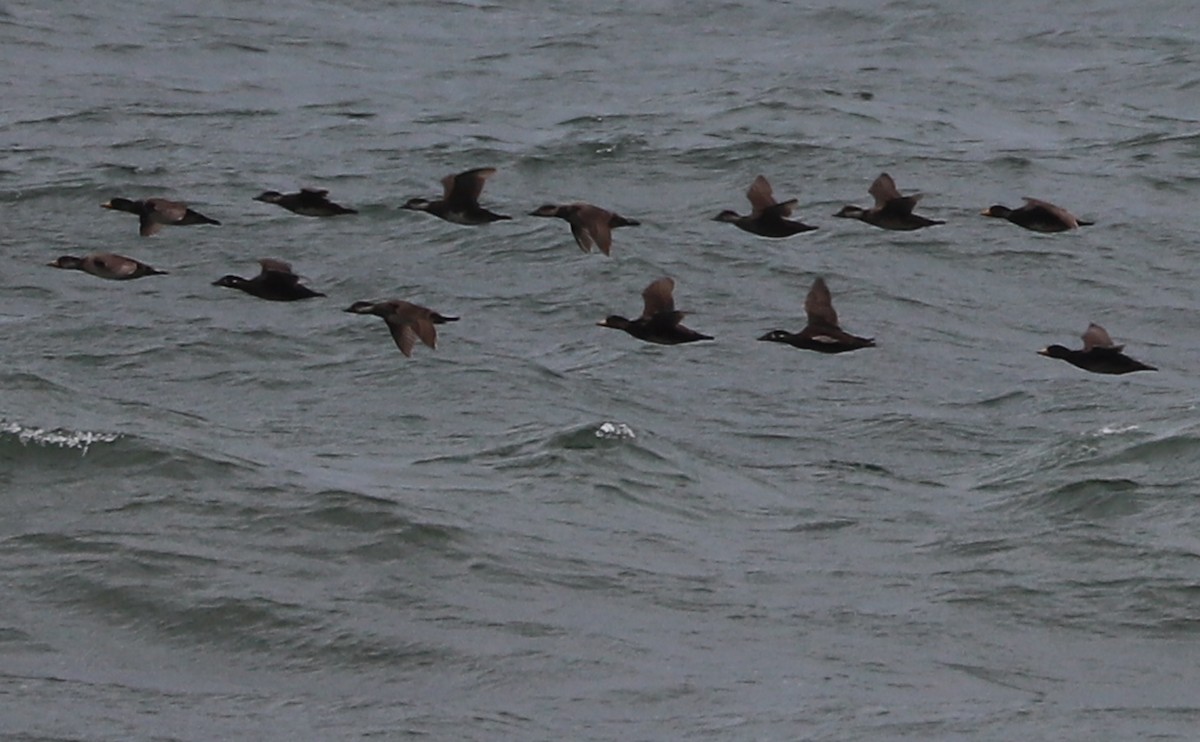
x=822 y=333
x=407 y=322
x=891 y=210
x=155 y=213
x=767 y=218
x=306 y=202
x=460 y=199
x=1099 y=354
x=274 y=282
x=1037 y=215
x=659 y=323
x=107 y=265
x=590 y=225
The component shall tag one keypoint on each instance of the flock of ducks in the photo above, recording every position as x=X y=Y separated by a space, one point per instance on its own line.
x=592 y=227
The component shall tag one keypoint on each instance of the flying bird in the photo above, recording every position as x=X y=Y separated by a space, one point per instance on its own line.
x=460 y=199
x=107 y=265
x=1039 y=216
x=274 y=282
x=766 y=218
x=1099 y=354
x=891 y=210
x=407 y=322
x=590 y=225
x=660 y=322
x=822 y=333
x=307 y=202
x=155 y=213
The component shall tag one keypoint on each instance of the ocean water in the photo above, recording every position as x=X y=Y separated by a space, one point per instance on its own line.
x=226 y=518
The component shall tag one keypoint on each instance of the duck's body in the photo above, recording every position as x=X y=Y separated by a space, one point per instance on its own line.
x=307 y=202
x=155 y=213
x=767 y=218
x=822 y=333
x=275 y=282
x=460 y=199
x=1039 y=216
x=1099 y=354
x=891 y=210
x=407 y=322
x=590 y=225
x=660 y=322
x=107 y=265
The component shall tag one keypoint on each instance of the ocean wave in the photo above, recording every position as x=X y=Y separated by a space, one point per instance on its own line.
x=1091 y=497
x=272 y=626
x=82 y=440
x=537 y=449
x=43 y=451
x=1114 y=470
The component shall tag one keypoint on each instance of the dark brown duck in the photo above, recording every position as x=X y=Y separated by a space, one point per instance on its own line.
x=155 y=213
x=822 y=333
x=407 y=322
x=460 y=199
x=107 y=265
x=306 y=202
x=1039 y=216
x=590 y=225
x=275 y=282
x=891 y=210
x=1099 y=354
x=766 y=218
x=660 y=322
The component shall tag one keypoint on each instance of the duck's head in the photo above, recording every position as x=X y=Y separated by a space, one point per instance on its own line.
x=269 y=197
x=614 y=321
x=548 y=210
x=851 y=212
x=727 y=215
x=362 y=307
x=231 y=282
x=417 y=204
x=120 y=204
x=776 y=336
x=66 y=261
x=1055 y=351
x=996 y=210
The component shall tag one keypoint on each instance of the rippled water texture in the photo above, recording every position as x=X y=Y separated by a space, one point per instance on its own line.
x=226 y=518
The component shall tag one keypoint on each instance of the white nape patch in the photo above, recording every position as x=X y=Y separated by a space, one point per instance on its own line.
x=615 y=431
x=80 y=439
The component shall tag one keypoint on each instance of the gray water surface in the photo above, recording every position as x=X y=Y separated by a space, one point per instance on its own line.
x=226 y=518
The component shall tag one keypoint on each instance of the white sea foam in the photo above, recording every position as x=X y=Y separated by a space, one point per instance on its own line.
x=60 y=437
x=617 y=431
